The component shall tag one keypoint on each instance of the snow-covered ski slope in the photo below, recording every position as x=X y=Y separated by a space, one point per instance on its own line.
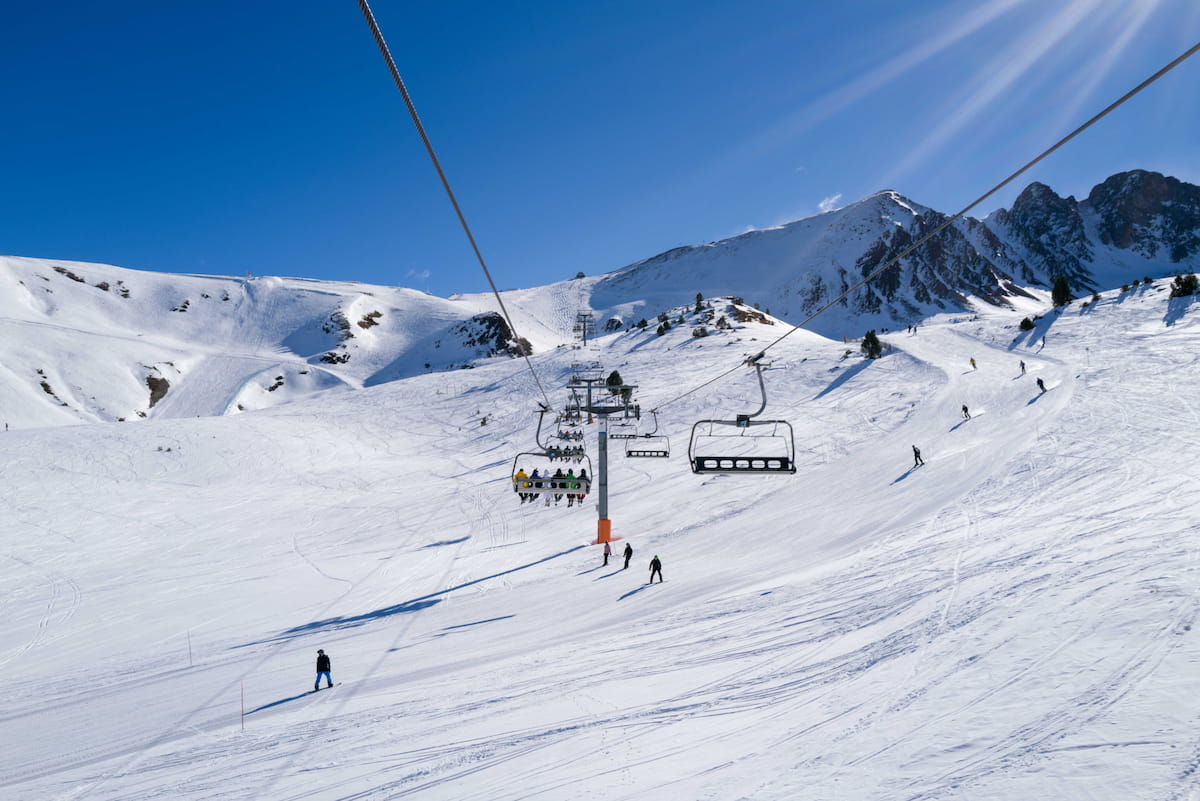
x=1013 y=620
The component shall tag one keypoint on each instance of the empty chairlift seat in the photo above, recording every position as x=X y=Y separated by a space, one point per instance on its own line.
x=742 y=446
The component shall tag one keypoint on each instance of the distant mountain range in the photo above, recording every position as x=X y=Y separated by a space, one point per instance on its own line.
x=1134 y=224
x=89 y=342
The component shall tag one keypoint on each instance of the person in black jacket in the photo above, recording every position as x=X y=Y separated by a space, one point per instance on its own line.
x=323 y=669
x=628 y=555
x=655 y=567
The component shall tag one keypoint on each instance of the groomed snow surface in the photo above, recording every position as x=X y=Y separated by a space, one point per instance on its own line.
x=1013 y=620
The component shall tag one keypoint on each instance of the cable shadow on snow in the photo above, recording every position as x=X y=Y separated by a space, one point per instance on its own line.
x=277 y=703
x=477 y=623
x=405 y=607
x=447 y=542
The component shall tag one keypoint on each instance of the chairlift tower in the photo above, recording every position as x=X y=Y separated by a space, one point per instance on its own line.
x=603 y=400
x=584 y=327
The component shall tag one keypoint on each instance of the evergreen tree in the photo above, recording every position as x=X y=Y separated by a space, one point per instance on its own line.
x=614 y=382
x=871 y=346
x=699 y=303
x=1060 y=293
x=1183 y=286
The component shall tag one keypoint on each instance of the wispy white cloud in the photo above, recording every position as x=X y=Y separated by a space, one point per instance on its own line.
x=420 y=275
x=830 y=203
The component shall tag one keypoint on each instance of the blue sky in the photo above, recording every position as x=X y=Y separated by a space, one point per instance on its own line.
x=266 y=137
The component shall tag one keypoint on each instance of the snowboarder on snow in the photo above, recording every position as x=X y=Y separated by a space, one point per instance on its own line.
x=655 y=567
x=1041 y=385
x=628 y=555
x=973 y=366
x=1022 y=367
x=917 y=460
x=607 y=552
x=966 y=414
x=323 y=669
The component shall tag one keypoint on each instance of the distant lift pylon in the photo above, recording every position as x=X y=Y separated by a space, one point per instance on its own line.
x=752 y=446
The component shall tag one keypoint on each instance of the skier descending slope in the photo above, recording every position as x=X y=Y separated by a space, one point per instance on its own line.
x=917 y=460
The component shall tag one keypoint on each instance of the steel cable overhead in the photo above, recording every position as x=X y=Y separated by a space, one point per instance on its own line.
x=412 y=110
x=895 y=259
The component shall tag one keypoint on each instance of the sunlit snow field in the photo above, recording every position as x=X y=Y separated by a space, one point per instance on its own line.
x=1014 y=620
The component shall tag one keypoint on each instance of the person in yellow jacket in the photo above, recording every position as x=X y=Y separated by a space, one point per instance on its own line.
x=519 y=482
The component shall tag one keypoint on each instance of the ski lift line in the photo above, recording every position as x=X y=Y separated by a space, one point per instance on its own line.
x=437 y=165
x=1029 y=165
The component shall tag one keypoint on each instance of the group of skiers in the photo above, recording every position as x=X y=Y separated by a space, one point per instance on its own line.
x=655 y=563
x=325 y=665
x=574 y=487
x=966 y=413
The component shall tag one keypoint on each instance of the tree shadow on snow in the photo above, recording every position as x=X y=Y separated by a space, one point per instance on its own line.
x=843 y=378
x=413 y=605
x=1176 y=307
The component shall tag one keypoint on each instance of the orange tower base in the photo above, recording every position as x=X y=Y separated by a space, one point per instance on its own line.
x=603 y=530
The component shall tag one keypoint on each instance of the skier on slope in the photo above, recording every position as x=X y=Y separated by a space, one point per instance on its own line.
x=966 y=414
x=1041 y=385
x=655 y=568
x=323 y=669
x=917 y=460
x=607 y=552
x=628 y=555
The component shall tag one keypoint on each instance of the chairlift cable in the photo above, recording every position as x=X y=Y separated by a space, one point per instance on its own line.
x=1111 y=107
x=437 y=165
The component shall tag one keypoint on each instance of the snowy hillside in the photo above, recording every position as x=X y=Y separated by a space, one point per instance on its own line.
x=1013 y=620
x=95 y=343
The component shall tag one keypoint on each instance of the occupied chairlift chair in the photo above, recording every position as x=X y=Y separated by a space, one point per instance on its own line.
x=550 y=458
x=744 y=450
